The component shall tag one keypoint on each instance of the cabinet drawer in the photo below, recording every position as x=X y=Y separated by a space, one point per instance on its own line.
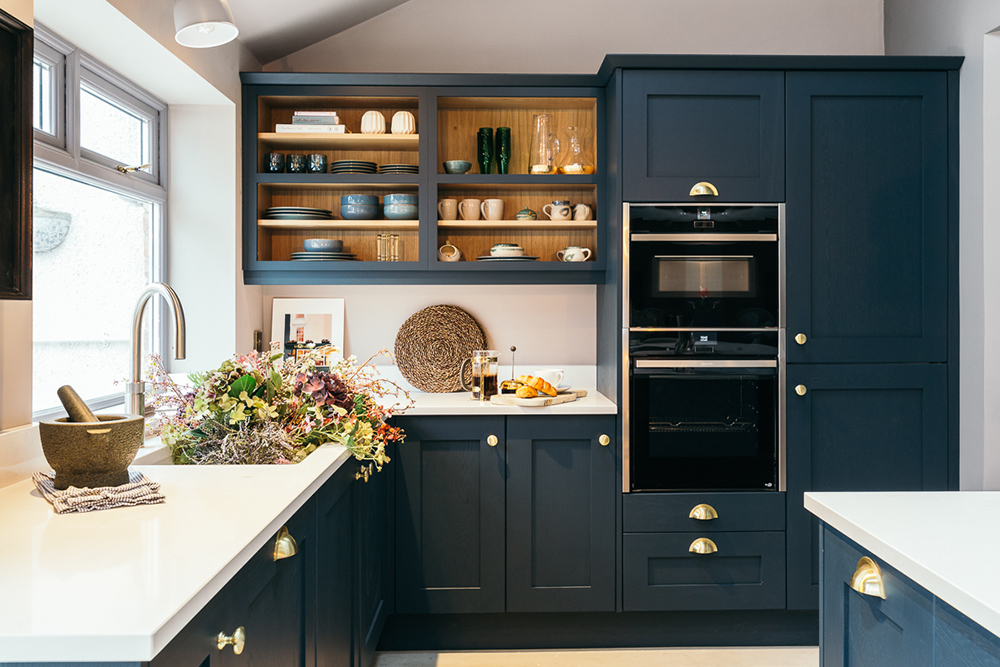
x=668 y=512
x=747 y=571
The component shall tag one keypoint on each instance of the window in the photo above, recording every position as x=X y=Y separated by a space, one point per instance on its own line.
x=98 y=218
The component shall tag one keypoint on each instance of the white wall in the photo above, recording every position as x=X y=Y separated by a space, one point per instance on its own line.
x=573 y=36
x=958 y=27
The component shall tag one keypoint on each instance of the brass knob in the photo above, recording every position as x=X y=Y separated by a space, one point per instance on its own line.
x=604 y=440
x=704 y=188
x=284 y=545
x=363 y=473
x=237 y=640
x=703 y=512
x=867 y=579
x=800 y=389
x=800 y=338
x=492 y=441
x=703 y=545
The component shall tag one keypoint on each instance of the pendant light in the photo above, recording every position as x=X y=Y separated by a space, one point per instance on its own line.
x=201 y=24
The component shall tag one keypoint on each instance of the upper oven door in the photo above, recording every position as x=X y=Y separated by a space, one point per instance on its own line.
x=699 y=268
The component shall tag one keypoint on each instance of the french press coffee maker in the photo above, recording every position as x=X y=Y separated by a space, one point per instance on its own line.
x=485 y=365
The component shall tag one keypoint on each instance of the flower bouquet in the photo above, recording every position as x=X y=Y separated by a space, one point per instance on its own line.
x=259 y=408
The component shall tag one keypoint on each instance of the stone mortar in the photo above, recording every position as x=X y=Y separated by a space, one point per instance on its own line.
x=91 y=454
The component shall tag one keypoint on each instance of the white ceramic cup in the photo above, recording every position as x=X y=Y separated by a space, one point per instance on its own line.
x=573 y=254
x=554 y=376
x=448 y=209
x=557 y=211
x=492 y=209
x=582 y=212
x=469 y=209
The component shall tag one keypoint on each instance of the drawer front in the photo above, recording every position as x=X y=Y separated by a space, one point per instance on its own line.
x=859 y=629
x=668 y=512
x=661 y=574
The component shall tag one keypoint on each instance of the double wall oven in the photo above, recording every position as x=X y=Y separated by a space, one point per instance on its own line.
x=703 y=347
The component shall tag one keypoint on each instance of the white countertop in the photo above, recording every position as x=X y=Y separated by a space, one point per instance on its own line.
x=944 y=541
x=118 y=585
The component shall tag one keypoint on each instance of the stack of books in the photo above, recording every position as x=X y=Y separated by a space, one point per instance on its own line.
x=312 y=121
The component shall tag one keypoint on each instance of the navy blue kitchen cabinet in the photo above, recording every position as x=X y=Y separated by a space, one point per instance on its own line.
x=373 y=564
x=961 y=642
x=858 y=427
x=449 y=532
x=560 y=514
x=686 y=127
x=514 y=514
x=336 y=518
x=867 y=216
x=863 y=629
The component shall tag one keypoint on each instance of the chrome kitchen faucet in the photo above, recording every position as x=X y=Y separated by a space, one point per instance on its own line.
x=135 y=389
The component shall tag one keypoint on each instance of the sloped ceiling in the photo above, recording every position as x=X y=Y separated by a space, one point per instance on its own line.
x=272 y=30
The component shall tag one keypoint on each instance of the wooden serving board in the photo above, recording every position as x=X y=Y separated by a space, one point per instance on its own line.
x=539 y=401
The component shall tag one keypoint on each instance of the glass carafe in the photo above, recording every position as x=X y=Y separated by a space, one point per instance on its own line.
x=485 y=365
x=572 y=158
x=541 y=157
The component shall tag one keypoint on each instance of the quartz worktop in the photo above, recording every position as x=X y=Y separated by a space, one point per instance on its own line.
x=118 y=585
x=941 y=540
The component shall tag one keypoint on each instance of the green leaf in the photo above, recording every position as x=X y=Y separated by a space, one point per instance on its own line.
x=243 y=383
x=273 y=386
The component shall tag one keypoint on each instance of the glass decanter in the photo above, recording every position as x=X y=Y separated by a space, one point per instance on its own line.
x=572 y=158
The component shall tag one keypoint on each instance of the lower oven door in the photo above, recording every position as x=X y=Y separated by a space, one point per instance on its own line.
x=705 y=426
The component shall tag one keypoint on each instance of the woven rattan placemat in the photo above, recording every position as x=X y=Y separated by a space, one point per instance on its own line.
x=432 y=344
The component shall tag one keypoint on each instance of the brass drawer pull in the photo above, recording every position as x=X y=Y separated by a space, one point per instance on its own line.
x=285 y=545
x=800 y=338
x=604 y=440
x=800 y=389
x=365 y=472
x=237 y=640
x=703 y=545
x=492 y=441
x=703 y=512
x=704 y=188
x=867 y=579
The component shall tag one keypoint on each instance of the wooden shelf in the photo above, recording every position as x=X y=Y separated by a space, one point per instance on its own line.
x=516 y=182
x=357 y=225
x=518 y=224
x=325 y=141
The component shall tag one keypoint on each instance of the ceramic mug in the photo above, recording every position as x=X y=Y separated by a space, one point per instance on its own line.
x=492 y=209
x=581 y=212
x=558 y=210
x=554 y=376
x=573 y=254
x=469 y=209
x=448 y=209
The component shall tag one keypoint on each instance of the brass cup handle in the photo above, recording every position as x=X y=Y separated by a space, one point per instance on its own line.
x=604 y=440
x=237 y=640
x=492 y=441
x=702 y=189
x=800 y=338
x=285 y=545
x=800 y=389
x=703 y=512
x=703 y=545
x=867 y=579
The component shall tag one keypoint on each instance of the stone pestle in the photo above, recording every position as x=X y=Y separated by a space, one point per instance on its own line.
x=77 y=410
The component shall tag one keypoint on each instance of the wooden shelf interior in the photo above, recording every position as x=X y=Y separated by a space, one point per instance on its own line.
x=382 y=149
x=459 y=119
x=277 y=239
x=555 y=225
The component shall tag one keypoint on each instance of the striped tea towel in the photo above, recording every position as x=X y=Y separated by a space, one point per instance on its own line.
x=139 y=491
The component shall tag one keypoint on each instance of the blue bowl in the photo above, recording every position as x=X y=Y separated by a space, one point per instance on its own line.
x=358 y=211
x=401 y=199
x=367 y=200
x=401 y=211
x=323 y=245
x=457 y=166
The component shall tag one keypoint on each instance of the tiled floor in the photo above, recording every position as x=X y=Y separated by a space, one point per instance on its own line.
x=807 y=656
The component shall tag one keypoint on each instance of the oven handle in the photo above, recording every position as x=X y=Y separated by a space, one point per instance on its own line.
x=707 y=365
x=705 y=238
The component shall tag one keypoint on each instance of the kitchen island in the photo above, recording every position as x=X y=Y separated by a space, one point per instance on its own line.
x=938 y=572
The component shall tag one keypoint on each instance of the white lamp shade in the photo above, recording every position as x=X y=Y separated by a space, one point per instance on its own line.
x=201 y=24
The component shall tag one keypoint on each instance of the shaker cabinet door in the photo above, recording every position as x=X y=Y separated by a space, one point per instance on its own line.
x=560 y=514
x=867 y=216
x=450 y=515
x=373 y=572
x=877 y=427
x=680 y=128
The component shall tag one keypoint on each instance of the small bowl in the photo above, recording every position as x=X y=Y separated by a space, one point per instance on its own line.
x=506 y=250
x=323 y=245
x=358 y=211
x=457 y=166
x=366 y=200
x=401 y=199
x=91 y=454
x=401 y=211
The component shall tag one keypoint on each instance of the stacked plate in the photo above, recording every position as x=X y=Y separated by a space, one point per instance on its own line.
x=297 y=213
x=353 y=167
x=398 y=169
x=322 y=256
x=513 y=258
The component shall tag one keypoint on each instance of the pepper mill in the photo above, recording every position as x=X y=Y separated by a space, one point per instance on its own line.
x=77 y=410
